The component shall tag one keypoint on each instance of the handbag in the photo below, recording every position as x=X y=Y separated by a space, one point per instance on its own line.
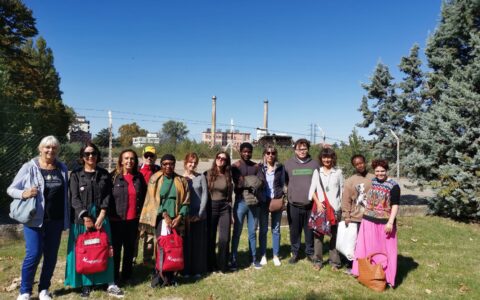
x=319 y=222
x=24 y=210
x=170 y=252
x=277 y=204
x=371 y=275
x=92 y=251
x=346 y=239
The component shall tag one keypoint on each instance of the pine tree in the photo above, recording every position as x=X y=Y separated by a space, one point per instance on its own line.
x=385 y=112
x=446 y=153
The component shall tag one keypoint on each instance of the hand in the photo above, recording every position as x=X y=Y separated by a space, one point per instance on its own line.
x=388 y=227
x=176 y=221
x=88 y=223
x=29 y=193
x=167 y=219
x=320 y=208
x=99 y=222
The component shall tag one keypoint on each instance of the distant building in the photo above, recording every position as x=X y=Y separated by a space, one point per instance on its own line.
x=79 y=130
x=222 y=138
x=142 y=141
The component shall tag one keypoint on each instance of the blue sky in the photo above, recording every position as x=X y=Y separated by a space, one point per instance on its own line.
x=151 y=61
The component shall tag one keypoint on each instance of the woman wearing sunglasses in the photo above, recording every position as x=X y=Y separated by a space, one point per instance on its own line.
x=90 y=195
x=220 y=188
x=272 y=174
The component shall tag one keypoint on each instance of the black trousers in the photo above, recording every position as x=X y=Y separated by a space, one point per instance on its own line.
x=298 y=220
x=124 y=236
x=219 y=220
x=195 y=248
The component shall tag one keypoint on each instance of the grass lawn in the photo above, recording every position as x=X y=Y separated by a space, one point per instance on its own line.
x=438 y=259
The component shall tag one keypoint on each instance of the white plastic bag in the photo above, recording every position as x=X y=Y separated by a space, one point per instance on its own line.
x=346 y=239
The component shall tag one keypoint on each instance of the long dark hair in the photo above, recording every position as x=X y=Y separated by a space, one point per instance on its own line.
x=82 y=150
x=214 y=172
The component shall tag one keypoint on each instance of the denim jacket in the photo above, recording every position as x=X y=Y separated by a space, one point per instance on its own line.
x=29 y=176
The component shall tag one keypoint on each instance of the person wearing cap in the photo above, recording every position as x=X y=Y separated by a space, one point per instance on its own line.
x=147 y=169
x=165 y=208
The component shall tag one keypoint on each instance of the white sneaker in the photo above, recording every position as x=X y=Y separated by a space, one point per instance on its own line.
x=25 y=296
x=276 y=261
x=114 y=291
x=263 y=261
x=44 y=295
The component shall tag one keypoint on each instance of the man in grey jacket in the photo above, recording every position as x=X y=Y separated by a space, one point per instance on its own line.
x=299 y=171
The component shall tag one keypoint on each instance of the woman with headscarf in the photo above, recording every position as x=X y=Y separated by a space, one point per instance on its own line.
x=165 y=208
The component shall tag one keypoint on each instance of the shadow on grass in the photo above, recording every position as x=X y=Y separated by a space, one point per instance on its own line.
x=405 y=264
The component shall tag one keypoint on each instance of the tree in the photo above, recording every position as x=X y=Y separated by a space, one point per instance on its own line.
x=128 y=131
x=446 y=153
x=384 y=113
x=174 y=131
x=102 y=138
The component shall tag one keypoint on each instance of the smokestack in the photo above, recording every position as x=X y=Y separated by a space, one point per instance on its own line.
x=265 y=115
x=214 y=118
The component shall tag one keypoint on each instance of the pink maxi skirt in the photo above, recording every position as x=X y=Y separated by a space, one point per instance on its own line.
x=373 y=239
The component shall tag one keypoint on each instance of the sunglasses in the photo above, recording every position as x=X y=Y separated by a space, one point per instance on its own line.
x=149 y=155
x=221 y=158
x=87 y=154
x=270 y=153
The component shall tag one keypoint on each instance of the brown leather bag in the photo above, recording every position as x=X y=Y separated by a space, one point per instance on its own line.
x=276 y=205
x=371 y=275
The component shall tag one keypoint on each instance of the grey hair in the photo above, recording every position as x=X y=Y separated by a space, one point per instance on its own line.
x=49 y=140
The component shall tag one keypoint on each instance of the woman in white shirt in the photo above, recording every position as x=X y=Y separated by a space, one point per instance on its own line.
x=332 y=179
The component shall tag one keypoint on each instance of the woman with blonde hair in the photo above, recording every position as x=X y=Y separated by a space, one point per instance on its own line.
x=45 y=179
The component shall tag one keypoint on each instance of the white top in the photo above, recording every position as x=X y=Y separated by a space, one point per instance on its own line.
x=333 y=183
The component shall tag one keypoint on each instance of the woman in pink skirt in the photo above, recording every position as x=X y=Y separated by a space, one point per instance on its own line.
x=378 y=230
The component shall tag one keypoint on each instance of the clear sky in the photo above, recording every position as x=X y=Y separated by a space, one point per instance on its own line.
x=151 y=61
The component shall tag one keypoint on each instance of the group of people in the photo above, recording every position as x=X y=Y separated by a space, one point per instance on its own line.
x=136 y=203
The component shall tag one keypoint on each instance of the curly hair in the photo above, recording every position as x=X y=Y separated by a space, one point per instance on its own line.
x=380 y=163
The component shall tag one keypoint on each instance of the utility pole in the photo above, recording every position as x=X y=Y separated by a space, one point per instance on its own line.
x=110 y=136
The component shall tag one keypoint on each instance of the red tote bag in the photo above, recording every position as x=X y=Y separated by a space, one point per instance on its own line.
x=91 y=252
x=170 y=252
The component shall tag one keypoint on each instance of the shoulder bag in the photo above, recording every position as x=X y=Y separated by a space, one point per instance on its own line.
x=23 y=210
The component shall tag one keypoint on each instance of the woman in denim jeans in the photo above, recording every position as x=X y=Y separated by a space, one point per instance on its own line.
x=45 y=179
x=272 y=174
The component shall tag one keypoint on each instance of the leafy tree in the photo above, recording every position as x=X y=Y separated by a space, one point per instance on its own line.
x=385 y=113
x=446 y=153
x=128 y=131
x=174 y=131
x=102 y=138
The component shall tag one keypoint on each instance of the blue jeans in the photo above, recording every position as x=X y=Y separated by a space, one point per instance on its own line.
x=263 y=229
x=40 y=241
x=240 y=210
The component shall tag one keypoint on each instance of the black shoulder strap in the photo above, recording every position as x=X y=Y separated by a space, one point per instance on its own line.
x=320 y=179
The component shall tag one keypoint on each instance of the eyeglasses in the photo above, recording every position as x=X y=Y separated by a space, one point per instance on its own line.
x=149 y=155
x=221 y=158
x=87 y=154
x=168 y=164
x=270 y=153
x=301 y=149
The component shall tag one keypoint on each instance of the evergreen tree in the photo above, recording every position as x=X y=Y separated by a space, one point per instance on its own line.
x=102 y=138
x=446 y=153
x=384 y=112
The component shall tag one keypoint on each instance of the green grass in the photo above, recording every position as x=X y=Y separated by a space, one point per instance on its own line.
x=438 y=259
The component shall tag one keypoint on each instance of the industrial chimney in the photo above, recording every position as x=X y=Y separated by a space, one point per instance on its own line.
x=265 y=115
x=214 y=119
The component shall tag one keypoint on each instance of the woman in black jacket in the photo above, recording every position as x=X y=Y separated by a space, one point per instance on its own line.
x=272 y=174
x=128 y=196
x=90 y=195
